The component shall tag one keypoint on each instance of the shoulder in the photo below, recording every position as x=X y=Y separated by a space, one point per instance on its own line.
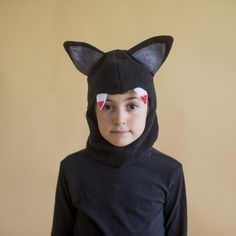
x=74 y=156
x=76 y=166
x=74 y=160
x=166 y=167
x=164 y=161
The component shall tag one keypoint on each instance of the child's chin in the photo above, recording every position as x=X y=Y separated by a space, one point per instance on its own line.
x=121 y=143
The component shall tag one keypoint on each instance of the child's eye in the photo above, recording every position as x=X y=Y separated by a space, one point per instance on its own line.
x=107 y=107
x=132 y=106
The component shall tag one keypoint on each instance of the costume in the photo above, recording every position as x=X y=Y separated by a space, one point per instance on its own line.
x=133 y=190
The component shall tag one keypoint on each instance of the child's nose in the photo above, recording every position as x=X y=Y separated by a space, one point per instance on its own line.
x=119 y=117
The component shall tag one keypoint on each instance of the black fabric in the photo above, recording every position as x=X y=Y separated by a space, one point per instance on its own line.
x=145 y=198
x=133 y=190
x=118 y=72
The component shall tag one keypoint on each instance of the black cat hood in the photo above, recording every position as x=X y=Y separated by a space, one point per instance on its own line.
x=117 y=72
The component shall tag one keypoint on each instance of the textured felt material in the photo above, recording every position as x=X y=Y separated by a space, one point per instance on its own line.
x=145 y=198
x=116 y=72
x=83 y=55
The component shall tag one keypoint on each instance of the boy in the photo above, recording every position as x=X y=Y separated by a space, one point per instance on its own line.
x=119 y=184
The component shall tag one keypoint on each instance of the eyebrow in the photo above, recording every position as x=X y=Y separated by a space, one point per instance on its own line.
x=129 y=98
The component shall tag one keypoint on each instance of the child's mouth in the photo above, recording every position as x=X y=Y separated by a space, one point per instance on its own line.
x=119 y=132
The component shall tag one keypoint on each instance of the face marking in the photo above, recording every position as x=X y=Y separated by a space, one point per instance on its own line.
x=142 y=94
x=102 y=97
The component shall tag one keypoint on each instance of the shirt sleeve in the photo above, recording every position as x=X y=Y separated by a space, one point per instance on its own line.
x=176 y=207
x=64 y=211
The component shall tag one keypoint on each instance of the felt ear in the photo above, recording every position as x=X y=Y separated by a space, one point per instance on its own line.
x=152 y=52
x=83 y=55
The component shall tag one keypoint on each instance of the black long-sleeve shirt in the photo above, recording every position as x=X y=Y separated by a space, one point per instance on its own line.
x=144 y=198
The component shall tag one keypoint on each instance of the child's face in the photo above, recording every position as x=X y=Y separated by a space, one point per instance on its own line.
x=122 y=119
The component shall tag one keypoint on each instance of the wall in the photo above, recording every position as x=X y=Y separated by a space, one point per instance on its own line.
x=43 y=100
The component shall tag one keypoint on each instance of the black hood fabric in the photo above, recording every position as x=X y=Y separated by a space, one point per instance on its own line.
x=116 y=72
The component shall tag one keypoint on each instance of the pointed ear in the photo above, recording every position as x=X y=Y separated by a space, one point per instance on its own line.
x=152 y=52
x=83 y=55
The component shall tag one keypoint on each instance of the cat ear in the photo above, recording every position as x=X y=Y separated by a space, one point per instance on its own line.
x=152 y=52
x=83 y=55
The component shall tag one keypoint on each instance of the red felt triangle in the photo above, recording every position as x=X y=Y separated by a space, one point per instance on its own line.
x=145 y=99
x=100 y=104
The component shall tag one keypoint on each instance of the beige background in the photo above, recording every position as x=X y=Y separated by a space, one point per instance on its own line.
x=43 y=100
